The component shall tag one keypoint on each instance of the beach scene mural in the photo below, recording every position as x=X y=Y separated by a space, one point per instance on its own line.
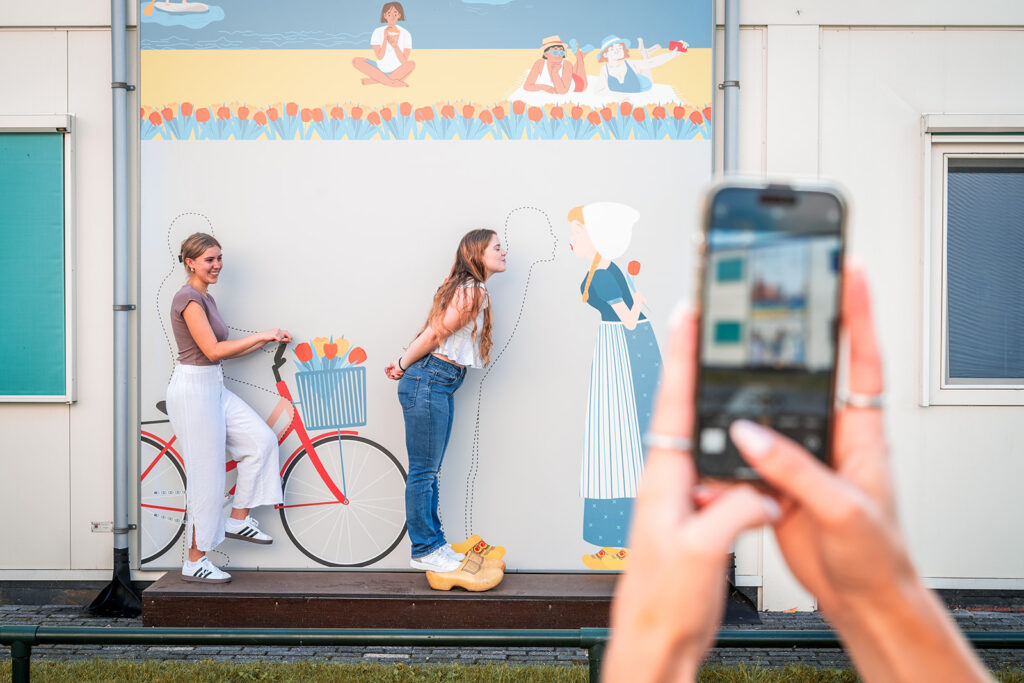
x=415 y=70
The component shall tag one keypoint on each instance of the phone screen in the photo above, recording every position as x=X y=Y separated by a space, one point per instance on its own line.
x=770 y=295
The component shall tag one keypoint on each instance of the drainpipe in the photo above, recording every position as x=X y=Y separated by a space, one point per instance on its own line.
x=120 y=597
x=731 y=86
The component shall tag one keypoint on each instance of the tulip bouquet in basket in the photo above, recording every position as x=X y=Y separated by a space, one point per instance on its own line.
x=328 y=353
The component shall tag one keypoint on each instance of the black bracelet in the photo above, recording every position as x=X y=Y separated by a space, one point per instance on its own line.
x=399 y=361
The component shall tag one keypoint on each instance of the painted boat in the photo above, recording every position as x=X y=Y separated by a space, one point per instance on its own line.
x=179 y=7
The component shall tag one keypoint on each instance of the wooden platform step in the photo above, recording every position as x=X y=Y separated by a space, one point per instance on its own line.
x=287 y=599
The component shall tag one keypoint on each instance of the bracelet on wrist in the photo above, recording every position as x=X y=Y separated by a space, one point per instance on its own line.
x=399 y=361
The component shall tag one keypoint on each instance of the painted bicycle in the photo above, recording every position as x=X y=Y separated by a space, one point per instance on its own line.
x=344 y=495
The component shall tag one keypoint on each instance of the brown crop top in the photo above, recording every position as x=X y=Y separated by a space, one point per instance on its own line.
x=189 y=352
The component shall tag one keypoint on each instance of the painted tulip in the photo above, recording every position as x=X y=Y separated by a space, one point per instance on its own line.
x=428 y=114
x=337 y=113
x=356 y=113
x=307 y=115
x=404 y=108
x=696 y=118
x=272 y=113
x=223 y=113
x=659 y=113
x=330 y=351
x=468 y=111
x=448 y=111
x=357 y=356
x=633 y=268
x=385 y=113
x=343 y=346
x=576 y=113
x=203 y=115
x=536 y=114
x=186 y=109
x=318 y=344
x=374 y=118
x=518 y=107
x=419 y=115
x=679 y=113
x=557 y=113
x=303 y=352
x=499 y=112
x=291 y=109
x=707 y=113
x=142 y=113
x=486 y=117
x=243 y=113
x=625 y=108
x=606 y=114
x=155 y=119
x=168 y=113
x=260 y=118
x=639 y=114
x=318 y=114
x=594 y=118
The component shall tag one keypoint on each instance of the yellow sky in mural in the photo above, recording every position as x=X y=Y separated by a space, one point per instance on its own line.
x=261 y=78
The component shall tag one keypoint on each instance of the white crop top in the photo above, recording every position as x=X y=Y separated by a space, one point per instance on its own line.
x=460 y=347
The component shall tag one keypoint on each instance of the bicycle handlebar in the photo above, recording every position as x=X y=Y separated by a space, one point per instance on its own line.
x=279 y=360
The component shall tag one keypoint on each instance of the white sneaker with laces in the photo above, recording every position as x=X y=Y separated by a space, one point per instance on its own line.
x=203 y=571
x=437 y=561
x=247 y=529
x=450 y=552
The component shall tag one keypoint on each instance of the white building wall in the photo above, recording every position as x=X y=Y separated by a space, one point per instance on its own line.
x=831 y=89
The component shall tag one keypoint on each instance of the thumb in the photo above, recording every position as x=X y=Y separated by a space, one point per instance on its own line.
x=740 y=508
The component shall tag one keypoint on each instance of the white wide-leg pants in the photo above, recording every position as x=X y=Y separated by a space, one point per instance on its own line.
x=211 y=422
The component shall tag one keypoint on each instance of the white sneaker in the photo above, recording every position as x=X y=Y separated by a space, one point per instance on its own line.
x=247 y=529
x=203 y=571
x=450 y=552
x=437 y=561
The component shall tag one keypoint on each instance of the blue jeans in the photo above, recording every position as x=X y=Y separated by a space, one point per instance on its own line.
x=426 y=393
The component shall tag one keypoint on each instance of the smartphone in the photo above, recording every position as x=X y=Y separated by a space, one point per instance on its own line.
x=770 y=289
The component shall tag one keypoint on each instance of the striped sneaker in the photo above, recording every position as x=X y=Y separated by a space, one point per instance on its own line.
x=247 y=529
x=203 y=571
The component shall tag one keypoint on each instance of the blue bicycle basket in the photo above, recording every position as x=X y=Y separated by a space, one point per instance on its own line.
x=333 y=399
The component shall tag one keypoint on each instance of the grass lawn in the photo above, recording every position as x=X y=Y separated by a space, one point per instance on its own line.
x=311 y=672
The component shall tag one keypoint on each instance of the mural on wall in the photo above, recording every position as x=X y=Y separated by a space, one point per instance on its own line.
x=263 y=124
x=623 y=379
x=492 y=71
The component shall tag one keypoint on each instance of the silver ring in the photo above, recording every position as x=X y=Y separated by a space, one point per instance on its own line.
x=668 y=442
x=855 y=400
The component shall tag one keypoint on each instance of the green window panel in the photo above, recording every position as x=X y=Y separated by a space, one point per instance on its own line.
x=729 y=270
x=32 y=317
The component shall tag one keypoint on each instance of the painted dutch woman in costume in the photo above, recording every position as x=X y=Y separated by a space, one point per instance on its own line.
x=623 y=379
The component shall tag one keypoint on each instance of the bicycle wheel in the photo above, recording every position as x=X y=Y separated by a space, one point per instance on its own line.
x=368 y=526
x=162 y=501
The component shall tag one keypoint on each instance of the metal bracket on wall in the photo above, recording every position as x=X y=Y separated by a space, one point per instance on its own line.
x=728 y=84
x=124 y=307
x=122 y=84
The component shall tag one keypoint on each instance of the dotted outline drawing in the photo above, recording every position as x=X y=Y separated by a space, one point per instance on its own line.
x=474 y=460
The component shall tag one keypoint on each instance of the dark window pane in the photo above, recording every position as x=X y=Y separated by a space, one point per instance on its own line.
x=985 y=267
x=728 y=332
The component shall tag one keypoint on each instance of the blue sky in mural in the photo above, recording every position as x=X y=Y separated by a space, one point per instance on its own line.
x=434 y=24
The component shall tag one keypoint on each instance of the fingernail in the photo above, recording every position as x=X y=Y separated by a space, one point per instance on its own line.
x=679 y=313
x=753 y=440
x=771 y=506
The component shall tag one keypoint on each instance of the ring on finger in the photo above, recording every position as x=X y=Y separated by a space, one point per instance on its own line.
x=668 y=442
x=853 y=399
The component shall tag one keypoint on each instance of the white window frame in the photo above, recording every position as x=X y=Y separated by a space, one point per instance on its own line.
x=946 y=136
x=56 y=123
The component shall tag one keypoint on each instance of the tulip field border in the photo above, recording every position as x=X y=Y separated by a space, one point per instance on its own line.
x=504 y=121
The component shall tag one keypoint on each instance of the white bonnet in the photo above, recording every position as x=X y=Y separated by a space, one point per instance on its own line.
x=610 y=226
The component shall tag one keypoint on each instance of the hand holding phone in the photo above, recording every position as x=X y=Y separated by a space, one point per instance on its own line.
x=770 y=283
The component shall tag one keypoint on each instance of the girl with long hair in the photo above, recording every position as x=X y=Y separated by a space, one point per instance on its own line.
x=210 y=421
x=455 y=336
